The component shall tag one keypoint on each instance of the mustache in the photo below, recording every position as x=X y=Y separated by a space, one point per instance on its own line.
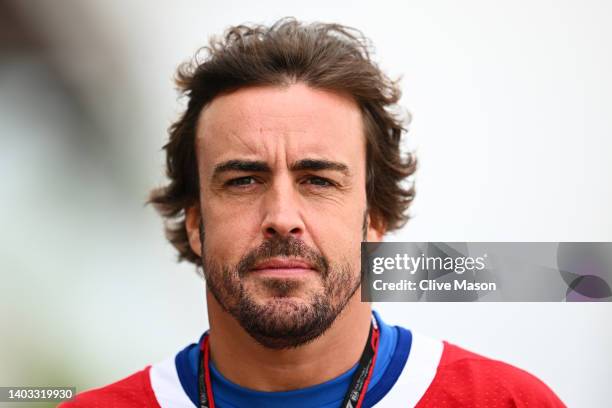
x=280 y=246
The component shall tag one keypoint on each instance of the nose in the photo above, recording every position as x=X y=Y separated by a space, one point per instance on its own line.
x=282 y=211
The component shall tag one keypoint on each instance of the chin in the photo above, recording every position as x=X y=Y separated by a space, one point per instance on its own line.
x=279 y=308
x=264 y=289
x=286 y=322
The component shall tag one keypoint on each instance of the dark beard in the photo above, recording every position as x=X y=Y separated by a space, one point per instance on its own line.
x=281 y=322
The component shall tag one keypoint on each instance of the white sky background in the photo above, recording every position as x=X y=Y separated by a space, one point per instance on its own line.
x=511 y=124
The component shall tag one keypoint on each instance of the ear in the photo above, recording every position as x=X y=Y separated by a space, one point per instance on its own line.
x=192 y=225
x=376 y=229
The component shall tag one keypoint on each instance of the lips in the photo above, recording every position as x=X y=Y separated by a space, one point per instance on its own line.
x=284 y=266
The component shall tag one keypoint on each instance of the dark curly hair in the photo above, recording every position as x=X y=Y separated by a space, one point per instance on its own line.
x=331 y=57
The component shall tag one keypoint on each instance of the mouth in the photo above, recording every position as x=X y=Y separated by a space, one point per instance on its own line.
x=284 y=268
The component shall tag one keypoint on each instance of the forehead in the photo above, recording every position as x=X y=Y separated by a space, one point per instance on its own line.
x=295 y=119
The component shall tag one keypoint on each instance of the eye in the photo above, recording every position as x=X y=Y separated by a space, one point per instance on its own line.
x=240 y=181
x=319 y=182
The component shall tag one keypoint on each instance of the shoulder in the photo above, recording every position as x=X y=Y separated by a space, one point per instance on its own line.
x=464 y=378
x=132 y=391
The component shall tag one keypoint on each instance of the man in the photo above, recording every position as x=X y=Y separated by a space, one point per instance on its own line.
x=286 y=159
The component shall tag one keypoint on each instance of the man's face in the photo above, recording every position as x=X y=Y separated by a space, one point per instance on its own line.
x=283 y=208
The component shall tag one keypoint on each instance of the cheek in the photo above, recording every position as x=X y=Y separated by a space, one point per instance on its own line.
x=338 y=234
x=228 y=233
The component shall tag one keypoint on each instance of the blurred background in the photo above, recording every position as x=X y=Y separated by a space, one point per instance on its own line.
x=511 y=123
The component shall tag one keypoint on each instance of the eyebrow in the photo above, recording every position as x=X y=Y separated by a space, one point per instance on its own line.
x=316 y=164
x=241 y=165
x=262 y=167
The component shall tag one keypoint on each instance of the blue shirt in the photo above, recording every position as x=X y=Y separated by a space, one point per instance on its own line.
x=393 y=350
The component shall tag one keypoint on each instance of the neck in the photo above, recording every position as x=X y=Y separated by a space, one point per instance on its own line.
x=264 y=369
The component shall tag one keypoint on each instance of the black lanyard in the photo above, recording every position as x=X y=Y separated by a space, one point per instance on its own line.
x=353 y=398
